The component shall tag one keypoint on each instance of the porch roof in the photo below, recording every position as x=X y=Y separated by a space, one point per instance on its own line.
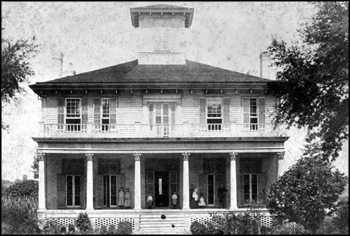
x=161 y=145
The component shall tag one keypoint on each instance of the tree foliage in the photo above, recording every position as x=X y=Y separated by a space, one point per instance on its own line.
x=313 y=79
x=28 y=188
x=15 y=67
x=306 y=192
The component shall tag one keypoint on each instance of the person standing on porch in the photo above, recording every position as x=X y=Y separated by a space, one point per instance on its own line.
x=222 y=195
x=174 y=200
x=121 y=198
x=149 y=201
x=127 y=198
x=195 y=198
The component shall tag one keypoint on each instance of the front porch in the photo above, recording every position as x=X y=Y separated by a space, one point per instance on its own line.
x=86 y=175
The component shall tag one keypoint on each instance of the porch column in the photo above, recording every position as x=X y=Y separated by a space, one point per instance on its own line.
x=280 y=157
x=186 y=177
x=137 y=190
x=233 y=182
x=89 y=183
x=41 y=203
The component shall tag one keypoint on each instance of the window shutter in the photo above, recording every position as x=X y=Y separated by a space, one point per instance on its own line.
x=202 y=115
x=97 y=115
x=82 y=191
x=226 y=111
x=113 y=111
x=60 y=112
x=173 y=109
x=262 y=187
x=61 y=191
x=150 y=108
x=240 y=190
x=99 y=191
x=203 y=187
x=262 y=111
x=246 y=110
x=84 y=114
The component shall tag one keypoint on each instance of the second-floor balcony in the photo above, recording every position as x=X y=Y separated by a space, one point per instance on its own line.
x=138 y=130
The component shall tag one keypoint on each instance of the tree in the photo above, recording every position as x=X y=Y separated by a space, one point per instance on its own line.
x=15 y=67
x=313 y=79
x=306 y=193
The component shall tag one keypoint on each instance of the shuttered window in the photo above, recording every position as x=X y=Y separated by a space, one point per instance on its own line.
x=253 y=113
x=105 y=113
x=162 y=117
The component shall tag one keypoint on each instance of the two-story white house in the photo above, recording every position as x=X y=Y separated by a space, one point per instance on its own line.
x=156 y=125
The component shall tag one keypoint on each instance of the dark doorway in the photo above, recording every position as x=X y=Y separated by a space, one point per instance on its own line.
x=161 y=188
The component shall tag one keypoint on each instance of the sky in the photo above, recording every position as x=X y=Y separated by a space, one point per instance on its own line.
x=94 y=35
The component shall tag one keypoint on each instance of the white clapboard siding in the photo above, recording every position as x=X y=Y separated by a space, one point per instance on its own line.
x=129 y=109
x=51 y=110
x=235 y=110
x=190 y=109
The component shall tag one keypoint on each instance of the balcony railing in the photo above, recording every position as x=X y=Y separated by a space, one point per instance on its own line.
x=138 y=130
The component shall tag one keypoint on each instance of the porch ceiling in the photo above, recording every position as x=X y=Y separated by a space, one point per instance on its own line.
x=161 y=145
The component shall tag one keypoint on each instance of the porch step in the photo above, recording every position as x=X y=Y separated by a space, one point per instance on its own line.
x=153 y=223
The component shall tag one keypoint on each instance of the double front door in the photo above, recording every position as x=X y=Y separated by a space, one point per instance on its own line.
x=162 y=185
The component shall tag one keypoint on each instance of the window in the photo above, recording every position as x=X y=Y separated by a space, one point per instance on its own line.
x=250 y=178
x=162 y=118
x=105 y=113
x=73 y=190
x=253 y=113
x=110 y=190
x=214 y=113
x=73 y=114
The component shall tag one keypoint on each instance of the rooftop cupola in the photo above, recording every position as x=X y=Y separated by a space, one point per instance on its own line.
x=162 y=33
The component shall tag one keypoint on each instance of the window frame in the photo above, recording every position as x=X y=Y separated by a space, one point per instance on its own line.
x=250 y=173
x=74 y=195
x=252 y=126
x=214 y=126
x=73 y=126
x=103 y=125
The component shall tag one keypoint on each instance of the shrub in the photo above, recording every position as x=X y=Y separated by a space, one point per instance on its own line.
x=198 y=228
x=305 y=192
x=124 y=228
x=103 y=229
x=19 y=215
x=27 y=188
x=52 y=227
x=289 y=228
x=111 y=229
x=83 y=223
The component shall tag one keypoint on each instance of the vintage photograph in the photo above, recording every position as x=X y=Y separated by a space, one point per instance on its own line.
x=174 y=117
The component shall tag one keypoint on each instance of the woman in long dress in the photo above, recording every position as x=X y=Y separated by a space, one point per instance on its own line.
x=121 y=198
x=127 y=198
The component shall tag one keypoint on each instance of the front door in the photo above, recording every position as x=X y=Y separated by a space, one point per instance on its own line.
x=161 y=188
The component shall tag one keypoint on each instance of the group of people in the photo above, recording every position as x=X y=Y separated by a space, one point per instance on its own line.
x=200 y=202
x=173 y=200
x=124 y=198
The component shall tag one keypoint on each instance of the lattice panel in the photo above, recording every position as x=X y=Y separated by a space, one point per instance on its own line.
x=112 y=221
x=62 y=221
x=97 y=222
x=201 y=220
x=265 y=220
